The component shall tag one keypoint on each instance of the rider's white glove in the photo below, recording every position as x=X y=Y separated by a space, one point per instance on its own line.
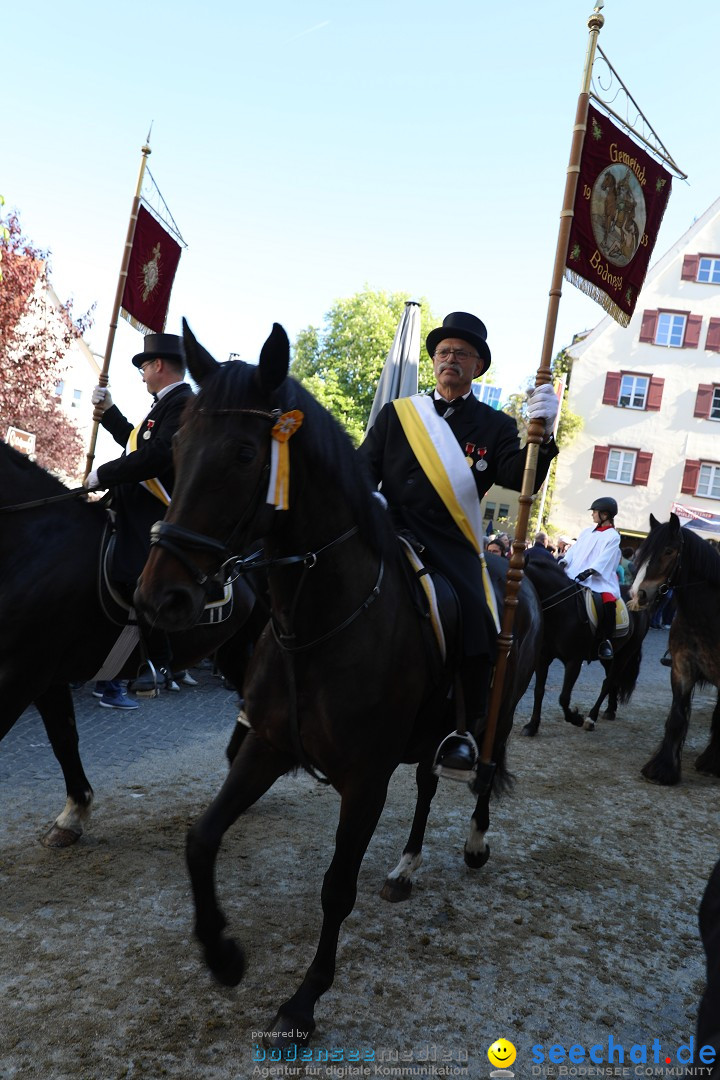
x=101 y=397
x=91 y=481
x=542 y=404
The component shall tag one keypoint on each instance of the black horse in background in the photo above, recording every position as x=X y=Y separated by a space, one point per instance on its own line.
x=569 y=637
x=677 y=558
x=345 y=680
x=54 y=630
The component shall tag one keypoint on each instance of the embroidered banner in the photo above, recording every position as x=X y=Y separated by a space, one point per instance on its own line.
x=151 y=271
x=621 y=198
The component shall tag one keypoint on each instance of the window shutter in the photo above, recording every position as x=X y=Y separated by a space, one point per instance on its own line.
x=690 y=477
x=612 y=388
x=692 y=331
x=703 y=401
x=655 y=393
x=599 y=462
x=648 y=326
x=690 y=267
x=642 y=468
x=712 y=341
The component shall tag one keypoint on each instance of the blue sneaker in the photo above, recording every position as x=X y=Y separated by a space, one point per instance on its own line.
x=116 y=699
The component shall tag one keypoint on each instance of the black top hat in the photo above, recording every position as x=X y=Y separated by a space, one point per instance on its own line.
x=460 y=324
x=160 y=346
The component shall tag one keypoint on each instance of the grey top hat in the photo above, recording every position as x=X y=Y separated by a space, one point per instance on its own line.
x=160 y=346
x=460 y=324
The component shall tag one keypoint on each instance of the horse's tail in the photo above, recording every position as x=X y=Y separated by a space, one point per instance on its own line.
x=629 y=674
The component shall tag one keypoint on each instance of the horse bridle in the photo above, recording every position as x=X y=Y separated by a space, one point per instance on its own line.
x=175 y=539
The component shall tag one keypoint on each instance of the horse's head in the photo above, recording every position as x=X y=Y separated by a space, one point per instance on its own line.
x=657 y=562
x=222 y=459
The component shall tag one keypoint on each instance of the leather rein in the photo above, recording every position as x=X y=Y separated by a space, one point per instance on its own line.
x=75 y=493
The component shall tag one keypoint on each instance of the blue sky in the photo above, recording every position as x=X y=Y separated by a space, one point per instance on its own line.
x=309 y=148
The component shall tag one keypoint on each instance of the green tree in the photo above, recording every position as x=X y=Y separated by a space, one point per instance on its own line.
x=340 y=362
x=36 y=332
x=568 y=427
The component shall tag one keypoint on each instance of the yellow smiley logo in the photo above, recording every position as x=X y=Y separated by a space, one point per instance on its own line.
x=502 y=1054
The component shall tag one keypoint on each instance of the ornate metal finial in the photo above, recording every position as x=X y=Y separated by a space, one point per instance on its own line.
x=596 y=20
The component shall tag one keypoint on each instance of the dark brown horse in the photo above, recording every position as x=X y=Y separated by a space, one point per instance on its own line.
x=344 y=681
x=55 y=630
x=677 y=558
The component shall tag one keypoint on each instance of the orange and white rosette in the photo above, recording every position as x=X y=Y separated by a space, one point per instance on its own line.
x=279 y=483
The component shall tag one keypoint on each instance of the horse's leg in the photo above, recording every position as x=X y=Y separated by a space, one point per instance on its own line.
x=591 y=719
x=58 y=715
x=363 y=798
x=398 y=883
x=55 y=706
x=572 y=670
x=709 y=760
x=253 y=771
x=242 y=726
x=477 y=851
x=664 y=766
x=541 y=674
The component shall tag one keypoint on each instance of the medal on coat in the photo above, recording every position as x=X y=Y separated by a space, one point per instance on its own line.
x=481 y=464
x=150 y=426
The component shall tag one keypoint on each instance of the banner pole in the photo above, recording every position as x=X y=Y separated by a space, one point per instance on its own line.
x=536 y=429
x=103 y=378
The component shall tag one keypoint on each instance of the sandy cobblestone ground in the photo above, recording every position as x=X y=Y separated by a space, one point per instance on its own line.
x=581 y=928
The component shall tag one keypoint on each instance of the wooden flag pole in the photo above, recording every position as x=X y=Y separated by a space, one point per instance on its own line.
x=536 y=428
x=103 y=379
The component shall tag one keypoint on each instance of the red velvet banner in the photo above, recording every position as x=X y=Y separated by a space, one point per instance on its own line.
x=621 y=198
x=153 y=261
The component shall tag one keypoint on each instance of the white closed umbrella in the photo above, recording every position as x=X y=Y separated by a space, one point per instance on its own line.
x=399 y=376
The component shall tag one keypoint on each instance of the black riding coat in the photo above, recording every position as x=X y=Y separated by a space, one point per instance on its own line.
x=485 y=436
x=137 y=509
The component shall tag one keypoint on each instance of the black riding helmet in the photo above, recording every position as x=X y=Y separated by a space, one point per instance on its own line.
x=605 y=505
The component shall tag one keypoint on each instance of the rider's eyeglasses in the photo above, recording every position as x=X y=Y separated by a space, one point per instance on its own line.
x=445 y=352
x=143 y=366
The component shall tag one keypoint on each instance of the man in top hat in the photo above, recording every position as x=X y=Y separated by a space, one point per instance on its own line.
x=142 y=478
x=479 y=446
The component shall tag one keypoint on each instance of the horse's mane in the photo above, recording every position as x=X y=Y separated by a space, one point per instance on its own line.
x=17 y=472
x=326 y=445
x=543 y=570
x=699 y=560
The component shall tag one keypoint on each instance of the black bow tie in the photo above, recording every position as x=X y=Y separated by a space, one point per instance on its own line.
x=442 y=405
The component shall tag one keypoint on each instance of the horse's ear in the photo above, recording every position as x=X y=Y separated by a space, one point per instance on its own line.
x=272 y=368
x=199 y=362
x=653 y=522
x=675 y=523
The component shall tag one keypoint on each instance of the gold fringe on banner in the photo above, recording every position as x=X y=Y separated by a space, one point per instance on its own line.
x=596 y=293
x=136 y=322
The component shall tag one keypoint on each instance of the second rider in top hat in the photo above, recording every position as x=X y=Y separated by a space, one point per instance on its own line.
x=141 y=479
x=490 y=446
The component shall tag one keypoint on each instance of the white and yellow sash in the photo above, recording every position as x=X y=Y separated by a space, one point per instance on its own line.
x=443 y=462
x=153 y=485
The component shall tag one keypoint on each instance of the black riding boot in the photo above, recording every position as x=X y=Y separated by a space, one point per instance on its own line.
x=457 y=755
x=607 y=631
